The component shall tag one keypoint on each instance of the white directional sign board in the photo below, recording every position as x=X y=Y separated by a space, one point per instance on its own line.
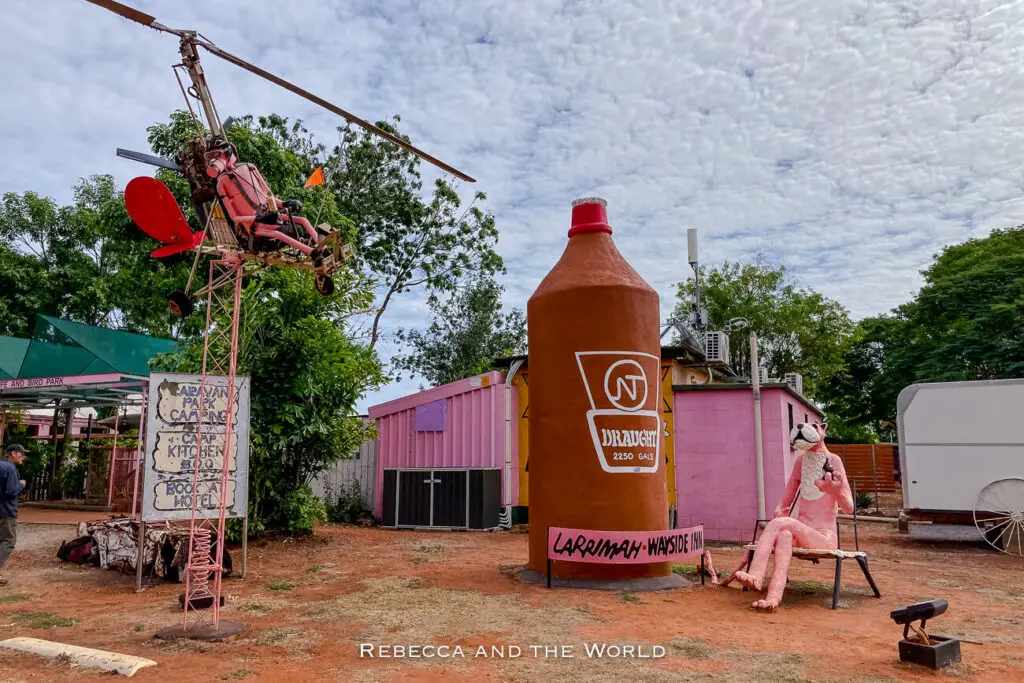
x=174 y=438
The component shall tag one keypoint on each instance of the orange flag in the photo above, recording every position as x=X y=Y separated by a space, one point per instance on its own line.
x=317 y=178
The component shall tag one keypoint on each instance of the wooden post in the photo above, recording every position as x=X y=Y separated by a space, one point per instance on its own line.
x=54 y=453
x=140 y=553
x=56 y=488
x=88 y=457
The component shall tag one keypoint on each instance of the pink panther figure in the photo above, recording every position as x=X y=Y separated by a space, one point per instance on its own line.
x=818 y=482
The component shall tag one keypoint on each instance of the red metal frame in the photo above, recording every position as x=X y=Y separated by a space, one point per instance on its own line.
x=220 y=358
x=140 y=454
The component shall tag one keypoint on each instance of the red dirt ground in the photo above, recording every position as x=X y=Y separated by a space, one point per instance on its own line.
x=308 y=604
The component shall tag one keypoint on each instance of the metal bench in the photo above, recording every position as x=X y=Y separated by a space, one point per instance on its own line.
x=816 y=556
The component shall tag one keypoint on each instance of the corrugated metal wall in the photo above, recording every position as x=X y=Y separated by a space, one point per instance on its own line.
x=474 y=434
x=361 y=469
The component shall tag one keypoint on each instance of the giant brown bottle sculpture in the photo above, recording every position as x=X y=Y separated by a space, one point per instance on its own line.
x=596 y=447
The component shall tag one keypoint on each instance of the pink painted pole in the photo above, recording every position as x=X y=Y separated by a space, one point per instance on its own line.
x=140 y=451
x=113 y=458
x=196 y=566
x=228 y=425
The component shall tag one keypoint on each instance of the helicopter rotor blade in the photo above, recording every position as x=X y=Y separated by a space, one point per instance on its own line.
x=134 y=15
x=150 y=21
x=366 y=125
x=148 y=159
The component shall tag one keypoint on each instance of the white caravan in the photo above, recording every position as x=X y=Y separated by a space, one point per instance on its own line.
x=962 y=456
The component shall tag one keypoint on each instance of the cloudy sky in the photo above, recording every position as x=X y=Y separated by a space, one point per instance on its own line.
x=849 y=140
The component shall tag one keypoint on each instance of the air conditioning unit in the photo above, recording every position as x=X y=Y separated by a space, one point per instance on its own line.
x=716 y=347
x=762 y=375
x=796 y=381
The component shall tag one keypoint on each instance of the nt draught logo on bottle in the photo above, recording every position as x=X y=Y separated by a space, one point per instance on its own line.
x=624 y=421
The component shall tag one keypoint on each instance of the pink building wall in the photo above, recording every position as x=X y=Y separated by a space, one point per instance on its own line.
x=473 y=436
x=716 y=473
x=43 y=424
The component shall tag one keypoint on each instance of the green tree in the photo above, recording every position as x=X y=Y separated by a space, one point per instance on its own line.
x=403 y=240
x=307 y=375
x=26 y=291
x=466 y=332
x=83 y=262
x=862 y=392
x=798 y=329
x=966 y=323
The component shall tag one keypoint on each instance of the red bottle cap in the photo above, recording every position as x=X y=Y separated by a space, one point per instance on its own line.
x=589 y=214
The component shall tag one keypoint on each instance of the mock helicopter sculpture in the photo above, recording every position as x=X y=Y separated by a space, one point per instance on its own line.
x=242 y=218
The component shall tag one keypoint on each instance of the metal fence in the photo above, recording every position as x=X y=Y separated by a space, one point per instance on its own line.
x=119 y=494
x=360 y=469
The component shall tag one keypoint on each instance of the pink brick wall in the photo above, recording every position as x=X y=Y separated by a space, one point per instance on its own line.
x=716 y=474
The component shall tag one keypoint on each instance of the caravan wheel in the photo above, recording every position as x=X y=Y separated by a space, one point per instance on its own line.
x=999 y=515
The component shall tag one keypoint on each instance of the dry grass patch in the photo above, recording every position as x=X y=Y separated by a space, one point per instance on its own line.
x=979 y=630
x=822 y=588
x=430 y=548
x=186 y=646
x=43 y=620
x=17 y=597
x=405 y=610
x=260 y=604
x=292 y=637
x=690 y=648
x=744 y=667
x=943 y=583
x=374 y=674
x=999 y=595
x=958 y=670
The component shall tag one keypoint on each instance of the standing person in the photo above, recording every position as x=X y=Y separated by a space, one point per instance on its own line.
x=11 y=486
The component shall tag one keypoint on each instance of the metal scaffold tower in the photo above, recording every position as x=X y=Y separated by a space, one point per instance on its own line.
x=205 y=569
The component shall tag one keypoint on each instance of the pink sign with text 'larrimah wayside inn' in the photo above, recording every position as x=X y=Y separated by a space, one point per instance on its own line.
x=624 y=547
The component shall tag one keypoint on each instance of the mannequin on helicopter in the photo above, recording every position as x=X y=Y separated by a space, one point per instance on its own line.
x=250 y=203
